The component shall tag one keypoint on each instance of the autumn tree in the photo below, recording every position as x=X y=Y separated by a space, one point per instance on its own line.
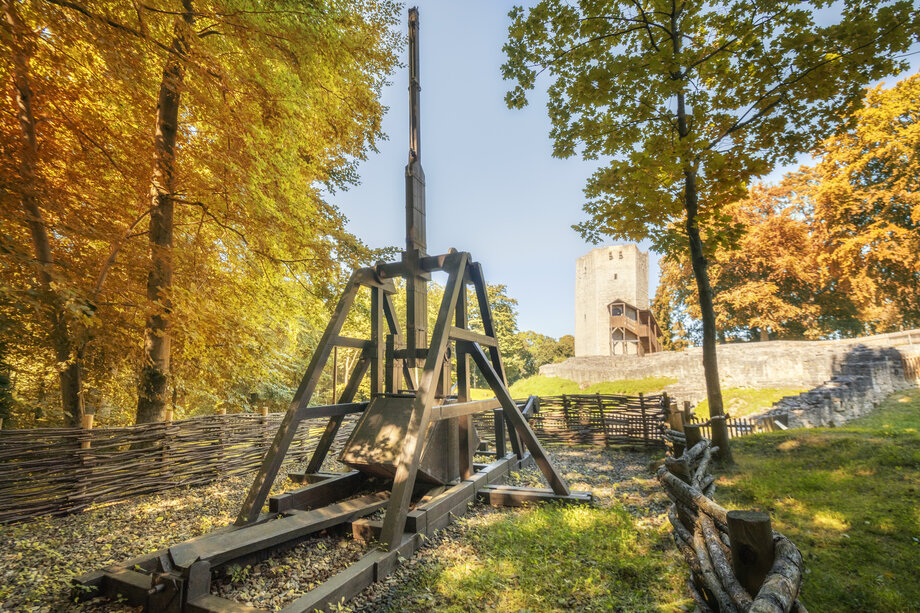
x=276 y=104
x=831 y=250
x=867 y=207
x=687 y=102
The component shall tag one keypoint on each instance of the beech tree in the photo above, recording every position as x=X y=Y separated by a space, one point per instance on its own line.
x=684 y=103
x=833 y=249
x=264 y=107
x=867 y=206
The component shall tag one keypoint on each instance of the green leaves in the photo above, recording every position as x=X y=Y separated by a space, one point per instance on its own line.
x=761 y=83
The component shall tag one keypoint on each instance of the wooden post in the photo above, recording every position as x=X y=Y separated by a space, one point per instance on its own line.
x=694 y=436
x=335 y=371
x=676 y=423
x=221 y=442
x=84 y=459
x=565 y=417
x=688 y=411
x=465 y=427
x=600 y=410
x=751 y=539
x=263 y=426
x=169 y=416
x=645 y=438
x=499 y=433
x=87 y=425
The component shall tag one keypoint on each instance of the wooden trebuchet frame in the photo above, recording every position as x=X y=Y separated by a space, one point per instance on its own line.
x=737 y=562
x=412 y=457
x=178 y=578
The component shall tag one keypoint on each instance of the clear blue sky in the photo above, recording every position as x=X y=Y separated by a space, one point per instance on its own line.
x=493 y=187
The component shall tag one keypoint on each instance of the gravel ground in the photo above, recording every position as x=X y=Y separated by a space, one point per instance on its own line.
x=38 y=559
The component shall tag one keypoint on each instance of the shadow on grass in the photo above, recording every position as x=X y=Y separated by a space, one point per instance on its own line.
x=848 y=498
x=554 y=558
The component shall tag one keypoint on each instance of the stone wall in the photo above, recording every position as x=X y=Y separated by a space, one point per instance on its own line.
x=845 y=378
x=866 y=376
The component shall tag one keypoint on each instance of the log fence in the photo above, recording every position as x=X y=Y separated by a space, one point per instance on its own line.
x=737 y=562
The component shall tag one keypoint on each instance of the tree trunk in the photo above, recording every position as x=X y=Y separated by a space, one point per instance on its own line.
x=69 y=362
x=153 y=382
x=700 y=273
x=710 y=360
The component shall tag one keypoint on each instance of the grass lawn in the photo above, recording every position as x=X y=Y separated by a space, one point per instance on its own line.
x=538 y=385
x=552 y=558
x=741 y=401
x=847 y=497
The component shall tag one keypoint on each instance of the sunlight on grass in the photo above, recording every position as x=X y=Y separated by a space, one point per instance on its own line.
x=847 y=498
x=556 y=558
x=741 y=401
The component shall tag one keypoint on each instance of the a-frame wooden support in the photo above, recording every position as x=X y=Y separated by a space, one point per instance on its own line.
x=451 y=326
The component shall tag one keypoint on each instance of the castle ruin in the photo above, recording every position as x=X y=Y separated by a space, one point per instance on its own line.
x=612 y=315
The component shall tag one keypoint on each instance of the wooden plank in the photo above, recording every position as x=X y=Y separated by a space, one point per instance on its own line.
x=387 y=562
x=395 y=518
x=507 y=496
x=131 y=585
x=462 y=334
x=379 y=345
x=488 y=326
x=216 y=604
x=510 y=408
x=274 y=457
x=318 y=494
x=222 y=548
x=459 y=409
x=466 y=434
x=353 y=343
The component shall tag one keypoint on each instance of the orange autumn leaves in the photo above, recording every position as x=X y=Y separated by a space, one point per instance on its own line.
x=834 y=249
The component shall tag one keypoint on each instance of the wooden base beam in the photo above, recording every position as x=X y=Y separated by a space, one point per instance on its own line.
x=508 y=496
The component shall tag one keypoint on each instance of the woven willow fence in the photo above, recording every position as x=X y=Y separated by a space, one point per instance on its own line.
x=600 y=419
x=737 y=562
x=54 y=471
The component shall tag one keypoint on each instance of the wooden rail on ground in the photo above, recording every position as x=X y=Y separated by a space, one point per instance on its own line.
x=737 y=562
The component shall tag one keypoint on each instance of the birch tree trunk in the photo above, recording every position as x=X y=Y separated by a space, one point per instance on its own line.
x=153 y=383
x=68 y=360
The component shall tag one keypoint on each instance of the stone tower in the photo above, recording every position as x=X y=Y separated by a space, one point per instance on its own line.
x=603 y=276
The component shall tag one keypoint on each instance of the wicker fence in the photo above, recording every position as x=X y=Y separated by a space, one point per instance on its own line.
x=54 y=471
x=600 y=419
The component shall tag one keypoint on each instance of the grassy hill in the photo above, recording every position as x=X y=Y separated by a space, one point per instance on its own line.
x=538 y=385
x=847 y=497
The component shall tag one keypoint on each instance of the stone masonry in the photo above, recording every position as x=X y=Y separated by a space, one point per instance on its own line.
x=866 y=376
x=845 y=377
x=602 y=276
